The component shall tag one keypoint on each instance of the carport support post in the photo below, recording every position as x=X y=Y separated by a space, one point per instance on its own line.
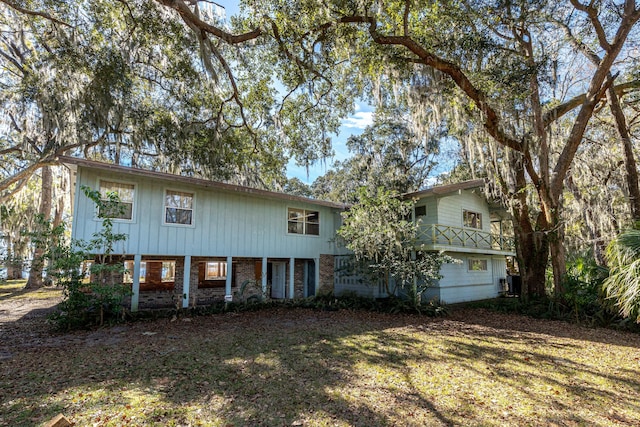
x=135 y=286
x=186 y=276
x=292 y=262
x=227 y=283
x=264 y=276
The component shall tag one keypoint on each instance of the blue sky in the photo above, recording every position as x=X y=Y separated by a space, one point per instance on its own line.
x=353 y=125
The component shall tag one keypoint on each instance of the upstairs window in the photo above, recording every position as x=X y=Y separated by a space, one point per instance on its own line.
x=301 y=221
x=123 y=208
x=178 y=208
x=420 y=211
x=472 y=219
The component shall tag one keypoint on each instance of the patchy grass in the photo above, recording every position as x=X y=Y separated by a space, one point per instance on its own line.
x=13 y=290
x=301 y=367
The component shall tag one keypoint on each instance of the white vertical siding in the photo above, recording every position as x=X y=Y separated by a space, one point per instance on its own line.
x=450 y=209
x=459 y=284
x=499 y=270
x=225 y=223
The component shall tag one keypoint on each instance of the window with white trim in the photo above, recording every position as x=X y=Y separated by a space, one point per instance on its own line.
x=178 y=207
x=476 y=264
x=302 y=221
x=472 y=219
x=123 y=207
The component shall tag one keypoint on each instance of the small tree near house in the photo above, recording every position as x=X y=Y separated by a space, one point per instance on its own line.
x=384 y=241
x=95 y=295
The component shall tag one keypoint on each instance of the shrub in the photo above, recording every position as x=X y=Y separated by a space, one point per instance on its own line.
x=100 y=298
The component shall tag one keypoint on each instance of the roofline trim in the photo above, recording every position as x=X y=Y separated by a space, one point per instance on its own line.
x=233 y=188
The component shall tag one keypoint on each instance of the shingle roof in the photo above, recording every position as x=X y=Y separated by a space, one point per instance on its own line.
x=92 y=164
x=446 y=189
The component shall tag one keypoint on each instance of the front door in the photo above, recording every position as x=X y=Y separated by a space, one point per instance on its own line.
x=278 y=280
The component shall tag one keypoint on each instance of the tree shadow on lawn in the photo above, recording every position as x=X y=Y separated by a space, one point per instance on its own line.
x=515 y=323
x=571 y=384
x=267 y=368
x=295 y=367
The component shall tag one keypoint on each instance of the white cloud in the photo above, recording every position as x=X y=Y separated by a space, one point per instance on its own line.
x=359 y=120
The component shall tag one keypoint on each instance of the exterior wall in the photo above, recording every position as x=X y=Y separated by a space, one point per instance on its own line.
x=347 y=283
x=225 y=223
x=431 y=205
x=163 y=299
x=459 y=284
x=327 y=274
x=298 y=278
x=450 y=207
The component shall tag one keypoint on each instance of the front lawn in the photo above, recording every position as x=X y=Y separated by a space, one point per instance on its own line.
x=284 y=367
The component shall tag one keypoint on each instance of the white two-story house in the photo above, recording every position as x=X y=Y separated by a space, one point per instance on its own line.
x=192 y=241
x=458 y=220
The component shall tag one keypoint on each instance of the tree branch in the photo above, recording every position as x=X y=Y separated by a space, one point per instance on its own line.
x=592 y=13
x=34 y=13
x=564 y=108
x=189 y=17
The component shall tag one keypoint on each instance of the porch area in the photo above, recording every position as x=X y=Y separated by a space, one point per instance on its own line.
x=189 y=281
x=446 y=237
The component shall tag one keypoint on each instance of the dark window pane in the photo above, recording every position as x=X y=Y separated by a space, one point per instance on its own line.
x=116 y=210
x=296 y=227
x=313 y=229
x=178 y=216
x=313 y=217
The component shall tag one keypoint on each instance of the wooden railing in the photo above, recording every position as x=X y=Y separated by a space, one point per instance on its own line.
x=437 y=234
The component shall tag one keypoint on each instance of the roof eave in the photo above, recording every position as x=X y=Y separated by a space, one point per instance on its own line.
x=77 y=162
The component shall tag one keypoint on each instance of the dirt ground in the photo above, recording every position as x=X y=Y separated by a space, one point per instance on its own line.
x=23 y=316
x=316 y=368
x=24 y=326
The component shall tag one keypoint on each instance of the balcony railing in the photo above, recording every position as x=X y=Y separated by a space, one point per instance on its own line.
x=437 y=234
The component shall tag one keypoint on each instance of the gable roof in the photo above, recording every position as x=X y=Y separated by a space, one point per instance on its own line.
x=446 y=189
x=75 y=162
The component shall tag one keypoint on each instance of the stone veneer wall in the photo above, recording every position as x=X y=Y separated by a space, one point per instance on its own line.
x=327 y=270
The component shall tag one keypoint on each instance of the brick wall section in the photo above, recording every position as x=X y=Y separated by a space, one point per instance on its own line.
x=164 y=299
x=327 y=269
x=244 y=270
x=298 y=278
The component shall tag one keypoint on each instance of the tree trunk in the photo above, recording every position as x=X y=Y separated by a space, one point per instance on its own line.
x=14 y=265
x=533 y=256
x=558 y=259
x=629 y=159
x=35 y=274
